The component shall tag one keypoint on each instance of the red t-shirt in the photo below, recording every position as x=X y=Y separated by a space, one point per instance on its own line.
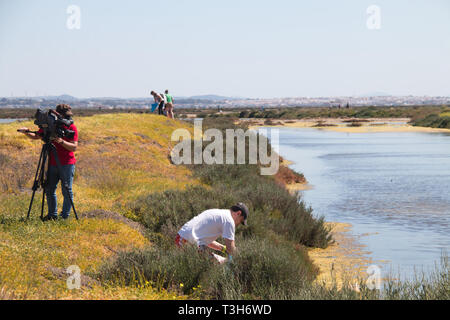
x=65 y=156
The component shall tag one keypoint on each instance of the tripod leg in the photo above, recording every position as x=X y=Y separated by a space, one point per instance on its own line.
x=31 y=204
x=44 y=182
x=64 y=183
x=40 y=166
x=42 y=204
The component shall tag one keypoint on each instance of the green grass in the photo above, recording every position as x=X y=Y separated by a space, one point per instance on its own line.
x=120 y=158
x=124 y=167
x=271 y=262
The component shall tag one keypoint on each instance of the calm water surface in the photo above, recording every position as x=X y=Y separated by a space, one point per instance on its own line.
x=393 y=186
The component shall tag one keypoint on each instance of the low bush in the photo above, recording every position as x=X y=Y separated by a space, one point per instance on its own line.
x=286 y=175
x=271 y=206
x=270 y=263
x=175 y=269
x=434 y=121
x=354 y=124
x=261 y=269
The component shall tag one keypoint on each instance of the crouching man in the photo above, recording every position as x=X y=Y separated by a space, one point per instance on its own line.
x=204 y=229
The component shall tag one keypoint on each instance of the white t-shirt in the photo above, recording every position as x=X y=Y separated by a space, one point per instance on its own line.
x=208 y=226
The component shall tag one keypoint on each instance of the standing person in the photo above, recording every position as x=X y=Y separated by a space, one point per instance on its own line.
x=204 y=229
x=65 y=149
x=164 y=99
x=169 y=104
x=159 y=99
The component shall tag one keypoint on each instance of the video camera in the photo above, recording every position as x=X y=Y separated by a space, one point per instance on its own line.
x=53 y=124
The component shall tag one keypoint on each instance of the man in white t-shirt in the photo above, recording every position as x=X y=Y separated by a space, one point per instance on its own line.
x=204 y=229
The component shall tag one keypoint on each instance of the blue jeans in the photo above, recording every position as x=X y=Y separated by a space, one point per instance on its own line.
x=68 y=172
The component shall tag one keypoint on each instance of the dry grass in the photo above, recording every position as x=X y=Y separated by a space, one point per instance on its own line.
x=120 y=157
x=286 y=176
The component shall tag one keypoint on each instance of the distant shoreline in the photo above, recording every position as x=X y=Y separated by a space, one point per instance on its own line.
x=348 y=125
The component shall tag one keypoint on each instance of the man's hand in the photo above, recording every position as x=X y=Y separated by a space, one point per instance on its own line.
x=58 y=140
x=23 y=130
x=231 y=247
x=68 y=145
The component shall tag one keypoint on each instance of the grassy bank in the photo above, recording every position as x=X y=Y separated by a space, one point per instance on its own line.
x=123 y=176
x=132 y=201
x=120 y=158
x=272 y=262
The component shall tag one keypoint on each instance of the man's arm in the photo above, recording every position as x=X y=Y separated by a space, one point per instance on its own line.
x=231 y=247
x=68 y=145
x=30 y=135
x=216 y=246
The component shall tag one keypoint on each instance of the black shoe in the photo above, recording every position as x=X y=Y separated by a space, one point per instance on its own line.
x=48 y=218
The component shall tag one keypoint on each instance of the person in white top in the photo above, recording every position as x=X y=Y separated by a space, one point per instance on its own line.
x=160 y=100
x=204 y=229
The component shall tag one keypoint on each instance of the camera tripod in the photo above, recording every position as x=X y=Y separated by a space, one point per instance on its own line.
x=40 y=179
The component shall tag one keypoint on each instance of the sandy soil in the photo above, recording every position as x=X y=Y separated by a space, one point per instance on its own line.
x=293 y=187
x=344 y=260
x=342 y=125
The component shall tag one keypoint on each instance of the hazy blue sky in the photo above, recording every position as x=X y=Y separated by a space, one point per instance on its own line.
x=249 y=48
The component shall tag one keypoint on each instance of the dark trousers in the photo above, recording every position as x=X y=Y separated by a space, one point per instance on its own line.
x=161 y=107
x=67 y=173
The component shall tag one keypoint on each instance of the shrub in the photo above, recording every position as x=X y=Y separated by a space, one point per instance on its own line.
x=168 y=211
x=286 y=175
x=269 y=202
x=176 y=269
x=434 y=121
x=260 y=270
x=267 y=264
x=271 y=206
x=354 y=124
x=434 y=285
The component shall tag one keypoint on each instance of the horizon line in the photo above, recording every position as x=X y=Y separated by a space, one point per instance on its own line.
x=228 y=97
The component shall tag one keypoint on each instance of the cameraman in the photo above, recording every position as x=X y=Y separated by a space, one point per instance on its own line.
x=65 y=150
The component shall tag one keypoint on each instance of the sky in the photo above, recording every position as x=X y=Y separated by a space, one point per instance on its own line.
x=238 y=48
